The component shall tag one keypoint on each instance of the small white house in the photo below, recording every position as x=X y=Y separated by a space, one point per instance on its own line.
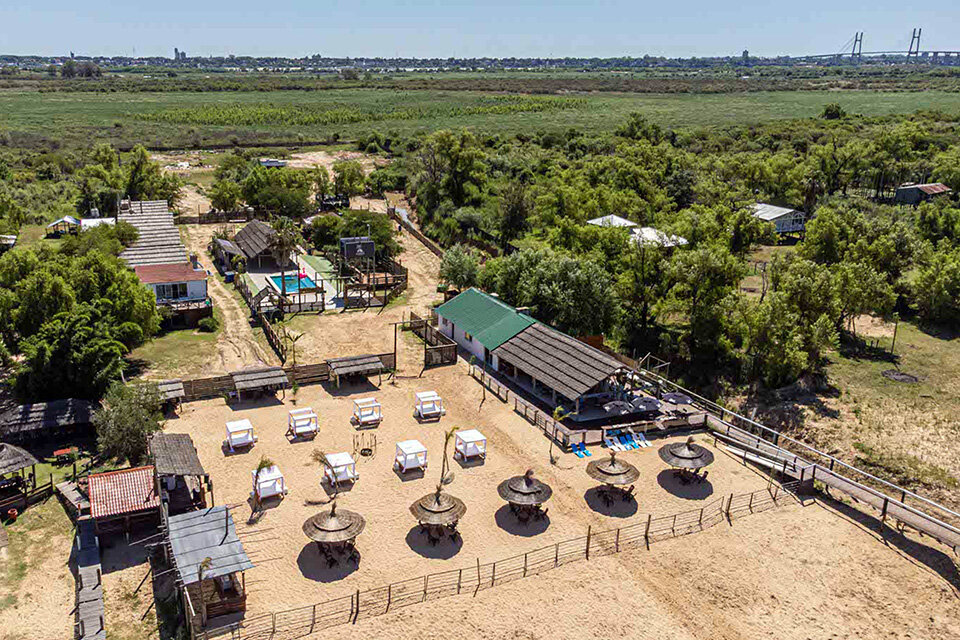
x=785 y=220
x=480 y=323
x=178 y=282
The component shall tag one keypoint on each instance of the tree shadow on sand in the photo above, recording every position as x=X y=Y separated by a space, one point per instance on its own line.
x=314 y=566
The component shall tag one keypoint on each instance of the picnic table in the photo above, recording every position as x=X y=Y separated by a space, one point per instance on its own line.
x=65 y=455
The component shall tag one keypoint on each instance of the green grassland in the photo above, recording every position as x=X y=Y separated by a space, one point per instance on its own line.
x=184 y=119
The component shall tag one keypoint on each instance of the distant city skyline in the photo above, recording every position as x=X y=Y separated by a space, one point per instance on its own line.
x=426 y=29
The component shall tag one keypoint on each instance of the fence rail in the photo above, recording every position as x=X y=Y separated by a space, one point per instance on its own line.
x=469 y=580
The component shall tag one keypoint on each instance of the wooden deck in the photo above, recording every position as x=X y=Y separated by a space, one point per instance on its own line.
x=76 y=503
x=89 y=618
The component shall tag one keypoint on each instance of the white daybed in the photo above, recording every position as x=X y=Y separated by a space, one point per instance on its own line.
x=470 y=443
x=367 y=412
x=411 y=454
x=429 y=405
x=270 y=483
x=302 y=423
x=344 y=468
x=240 y=434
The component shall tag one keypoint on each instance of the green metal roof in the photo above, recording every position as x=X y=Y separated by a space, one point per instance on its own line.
x=490 y=321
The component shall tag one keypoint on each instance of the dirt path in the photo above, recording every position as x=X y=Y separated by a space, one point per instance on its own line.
x=237 y=346
x=191 y=201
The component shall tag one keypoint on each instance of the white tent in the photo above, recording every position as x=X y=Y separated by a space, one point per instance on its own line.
x=240 y=434
x=269 y=483
x=344 y=468
x=302 y=422
x=411 y=454
x=470 y=443
x=429 y=405
x=367 y=411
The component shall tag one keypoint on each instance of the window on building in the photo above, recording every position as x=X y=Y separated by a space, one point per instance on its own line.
x=172 y=291
x=445 y=321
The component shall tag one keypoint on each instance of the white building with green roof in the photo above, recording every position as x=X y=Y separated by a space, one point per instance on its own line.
x=480 y=323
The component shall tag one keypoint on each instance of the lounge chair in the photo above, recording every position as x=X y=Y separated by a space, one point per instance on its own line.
x=643 y=440
x=626 y=442
x=613 y=445
x=586 y=452
x=576 y=449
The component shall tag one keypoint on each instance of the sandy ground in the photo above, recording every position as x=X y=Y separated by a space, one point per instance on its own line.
x=44 y=599
x=236 y=346
x=290 y=572
x=192 y=202
x=310 y=159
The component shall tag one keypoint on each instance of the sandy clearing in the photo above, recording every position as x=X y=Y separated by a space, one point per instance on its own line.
x=311 y=159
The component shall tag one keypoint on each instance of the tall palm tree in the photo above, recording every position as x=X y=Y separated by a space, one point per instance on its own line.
x=285 y=239
x=444 y=463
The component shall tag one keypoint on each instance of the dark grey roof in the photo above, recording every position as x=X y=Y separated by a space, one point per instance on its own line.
x=259 y=378
x=171 y=389
x=208 y=533
x=14 y=458
x=255 y=238
x=360 y=365
x=174 y=455
x=564 y=364
x=47 y=415
x=158 y=241
x=228 y=247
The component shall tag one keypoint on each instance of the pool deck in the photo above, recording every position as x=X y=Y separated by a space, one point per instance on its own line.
x=264 y=278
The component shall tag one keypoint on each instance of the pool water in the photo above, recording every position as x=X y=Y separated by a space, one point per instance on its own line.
x=294 y=282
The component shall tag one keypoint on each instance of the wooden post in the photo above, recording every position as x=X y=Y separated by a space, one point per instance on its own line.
x=313 y=618
x=478 y=577
x=883 y=513
x=673 y=525
x=356 y=610
x=700 y=521
x=524 y=565
x=750 y=504
x=389 y=597
x=273 y=620
x=556 y=555
x=589 y=528
x=616 y=543
x=459 y=580
x=426 y=579
x=646 y=531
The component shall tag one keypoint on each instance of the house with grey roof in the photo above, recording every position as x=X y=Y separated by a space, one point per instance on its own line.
x=784 y=219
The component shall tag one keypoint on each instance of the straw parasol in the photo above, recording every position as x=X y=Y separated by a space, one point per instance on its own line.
x=334 y=526
x=525 y=490
x=438 y=508
x=686 y=455
x=612 y=471
x=14 y=458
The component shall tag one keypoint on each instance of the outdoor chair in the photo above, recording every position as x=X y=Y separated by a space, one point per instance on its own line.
x=703 y=478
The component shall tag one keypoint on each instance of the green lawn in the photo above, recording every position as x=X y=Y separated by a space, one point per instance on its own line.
x=192 y=119
x=174 y=352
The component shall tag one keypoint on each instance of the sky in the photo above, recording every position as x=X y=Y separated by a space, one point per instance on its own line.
x=495 y=28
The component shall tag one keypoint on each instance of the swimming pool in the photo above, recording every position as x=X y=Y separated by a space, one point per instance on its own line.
x=293 y=282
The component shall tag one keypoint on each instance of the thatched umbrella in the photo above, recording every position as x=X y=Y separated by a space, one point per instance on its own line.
x=686 y=455
x=14 y=459
x=525 y=490
x=612 y=471
x=438 y=509
x=332 y=527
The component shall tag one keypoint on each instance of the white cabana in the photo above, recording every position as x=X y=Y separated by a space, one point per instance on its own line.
x=470 y=443
x=240 y=434
x=302 y=423
x=367 y=412
x=269 y=483
x=344 y=468
x=429 y=405
x=411 y=454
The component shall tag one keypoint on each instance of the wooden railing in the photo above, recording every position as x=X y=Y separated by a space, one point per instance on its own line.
x=469 y=580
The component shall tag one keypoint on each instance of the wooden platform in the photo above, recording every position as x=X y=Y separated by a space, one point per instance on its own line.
x=89 y=617
x=76 y=504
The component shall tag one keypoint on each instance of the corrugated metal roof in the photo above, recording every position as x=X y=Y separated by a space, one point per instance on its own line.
x=490 y=321
x=611 y=221
x=125 y=491
x=933 y=188
x=770 y=212
x=648 y=236
x=208 y=534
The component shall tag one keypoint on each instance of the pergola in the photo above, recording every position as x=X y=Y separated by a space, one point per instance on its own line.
x=171 y=392
x=180 y=476
x=259 y=380
x=13 y=489
x=365 y=365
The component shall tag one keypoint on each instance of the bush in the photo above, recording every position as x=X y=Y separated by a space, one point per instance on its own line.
x=209 y=325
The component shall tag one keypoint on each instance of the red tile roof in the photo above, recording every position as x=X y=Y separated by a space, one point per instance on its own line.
x=167 y=273
x=933 y=188
x=125 y=491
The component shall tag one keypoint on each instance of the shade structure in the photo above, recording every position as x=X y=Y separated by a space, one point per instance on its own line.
x=438 y=508
x=677 y=398
x=618 y=407
x=525 y=490
x=686 y=455
x=612 y=471
x=334 y=525
x=646 y=404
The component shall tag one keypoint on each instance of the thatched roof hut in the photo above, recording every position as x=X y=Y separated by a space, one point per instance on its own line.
x=13 y=459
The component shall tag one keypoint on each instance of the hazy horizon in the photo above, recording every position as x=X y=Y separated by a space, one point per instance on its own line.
x=424 y=29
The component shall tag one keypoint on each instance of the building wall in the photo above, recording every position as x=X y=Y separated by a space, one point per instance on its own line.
x=196 y=290
x=458 y=335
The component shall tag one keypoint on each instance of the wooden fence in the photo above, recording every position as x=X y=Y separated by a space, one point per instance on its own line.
x=469 y=580
x=438 y=349
x=416 y=233
x=31 y=496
